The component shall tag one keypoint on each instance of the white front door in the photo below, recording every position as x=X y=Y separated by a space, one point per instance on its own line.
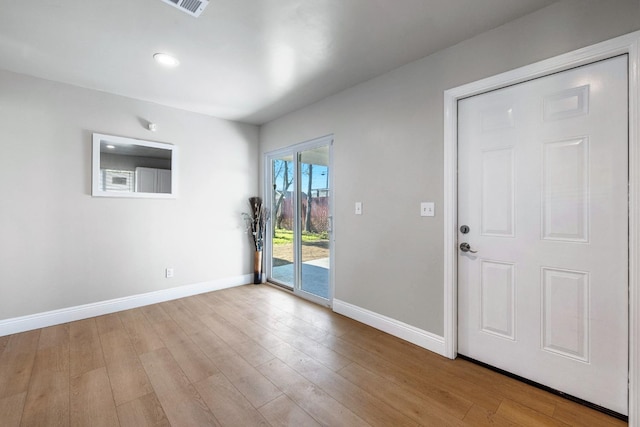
x=542 y=188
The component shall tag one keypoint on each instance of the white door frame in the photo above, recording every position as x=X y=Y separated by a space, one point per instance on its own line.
x=628 y=44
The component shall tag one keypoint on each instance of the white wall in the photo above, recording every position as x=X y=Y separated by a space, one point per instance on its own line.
x=388 y=153
x=60 y=247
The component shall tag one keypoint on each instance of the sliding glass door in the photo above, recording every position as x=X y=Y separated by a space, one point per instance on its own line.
x=299 y=245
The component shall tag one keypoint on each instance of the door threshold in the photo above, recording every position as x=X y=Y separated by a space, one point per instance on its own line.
x=548 y=389
x=279 y=286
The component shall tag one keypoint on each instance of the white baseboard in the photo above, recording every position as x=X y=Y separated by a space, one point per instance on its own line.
x=391 y=326
x=70 y=314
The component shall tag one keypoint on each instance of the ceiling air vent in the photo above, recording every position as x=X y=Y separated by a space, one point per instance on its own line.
x=192 y=7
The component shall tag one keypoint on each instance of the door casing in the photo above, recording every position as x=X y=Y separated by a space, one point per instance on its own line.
x=628 y=44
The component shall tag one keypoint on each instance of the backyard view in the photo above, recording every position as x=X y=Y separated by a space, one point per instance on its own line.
x=314 y=246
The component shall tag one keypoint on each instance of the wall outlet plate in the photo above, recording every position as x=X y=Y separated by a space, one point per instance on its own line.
x=168 y=273
x=358 y=208
x=427 y=209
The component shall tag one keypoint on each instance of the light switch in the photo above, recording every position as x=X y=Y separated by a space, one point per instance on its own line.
x=427 y=209
x=358 y=208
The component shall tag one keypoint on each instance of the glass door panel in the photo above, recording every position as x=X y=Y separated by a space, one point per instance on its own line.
x=315 y=221
x=283 y=227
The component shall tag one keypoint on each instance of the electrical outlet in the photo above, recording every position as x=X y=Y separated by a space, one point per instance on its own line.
x=427 y=209
x=168 y=273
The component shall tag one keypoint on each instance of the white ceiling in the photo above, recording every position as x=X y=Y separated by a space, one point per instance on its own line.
x=246 y=60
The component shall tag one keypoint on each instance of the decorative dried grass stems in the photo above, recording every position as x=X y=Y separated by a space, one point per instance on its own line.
x=256 y=221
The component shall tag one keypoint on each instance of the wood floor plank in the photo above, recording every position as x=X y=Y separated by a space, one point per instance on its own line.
x=283 y=412
x=374 y=411
x=424 y=409
x=181 y=402
x=228 y=405
x=311 y=398
x=3 y=343
x=300 y=338
x=318 y=316
x=131 y=315
x=539 y=400
x=127 y=376
x=196 y=306
x=170 y=333
x=253 y=330
x=142 y=335
x=193 y=362
x=252 y=352
x=11 y=409
x=47 y=402
x=525 y=416
x=275 y=317
x=578 y=415
x=145 y=411
x=24 y=342
x=212 y=345
x=225 y=328
x=108 y=323
x=85 y=348
x=54 y=336
x=257 y=388
x=248 y=380
x=91 y=400
x=422 y=375
x=184 y=317
x=155 y=313
x=392 y=349
x=16 y=363
x=319 y=352
x=212 y=299
x=166 y=376
x=479 y=416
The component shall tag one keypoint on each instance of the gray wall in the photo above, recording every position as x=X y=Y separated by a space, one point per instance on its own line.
x=388 y=153
x=60 y=247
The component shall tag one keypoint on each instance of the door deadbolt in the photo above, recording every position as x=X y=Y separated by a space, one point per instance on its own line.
x=464 y=229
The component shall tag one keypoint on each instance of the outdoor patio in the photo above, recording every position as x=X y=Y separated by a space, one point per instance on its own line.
x=315 y=276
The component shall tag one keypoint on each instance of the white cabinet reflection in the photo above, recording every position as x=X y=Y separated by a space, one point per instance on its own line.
x=126 y=167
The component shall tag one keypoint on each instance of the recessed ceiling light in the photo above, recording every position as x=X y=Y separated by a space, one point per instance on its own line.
x=166 y=60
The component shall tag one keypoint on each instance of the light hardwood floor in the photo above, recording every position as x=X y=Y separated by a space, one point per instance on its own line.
x=253 y=355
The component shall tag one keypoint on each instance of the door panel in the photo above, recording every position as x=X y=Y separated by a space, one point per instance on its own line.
x=497 y=192
x=498 y=299
x=542 y=176
x=283 y=231
x=565 y=313
x=315 y=221
x=565 y=187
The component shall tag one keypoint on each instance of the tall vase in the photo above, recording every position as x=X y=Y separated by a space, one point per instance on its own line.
x=257 y=267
